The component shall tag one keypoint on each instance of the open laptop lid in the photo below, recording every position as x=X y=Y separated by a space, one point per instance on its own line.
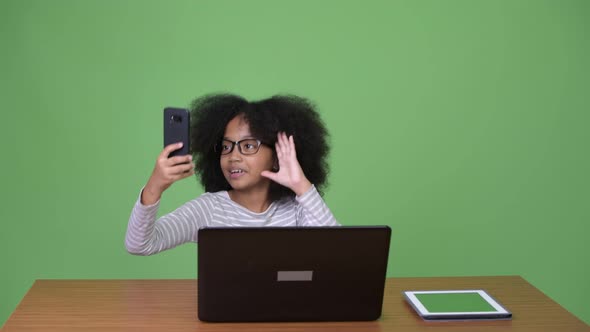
x=292 y=273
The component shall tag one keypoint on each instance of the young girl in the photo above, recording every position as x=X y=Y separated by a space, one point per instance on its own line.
x=246 y=160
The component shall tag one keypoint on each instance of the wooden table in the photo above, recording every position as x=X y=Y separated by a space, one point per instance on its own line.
x=170 y=305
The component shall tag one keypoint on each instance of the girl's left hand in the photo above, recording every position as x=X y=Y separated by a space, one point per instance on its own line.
x=290 y=173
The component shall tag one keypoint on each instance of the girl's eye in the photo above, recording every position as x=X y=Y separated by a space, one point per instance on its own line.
x=249 y=146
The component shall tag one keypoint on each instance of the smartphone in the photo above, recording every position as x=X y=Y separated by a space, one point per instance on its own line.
x=177 y=129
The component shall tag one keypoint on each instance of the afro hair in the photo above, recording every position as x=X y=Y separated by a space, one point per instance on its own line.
x=291 y=114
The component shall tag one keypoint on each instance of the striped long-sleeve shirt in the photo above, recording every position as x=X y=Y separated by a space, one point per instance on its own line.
x=147 y=236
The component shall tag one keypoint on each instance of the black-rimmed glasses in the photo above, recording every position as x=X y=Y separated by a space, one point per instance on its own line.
x=246 y=146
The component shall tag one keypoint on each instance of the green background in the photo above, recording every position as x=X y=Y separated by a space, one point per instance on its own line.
x=461 y=124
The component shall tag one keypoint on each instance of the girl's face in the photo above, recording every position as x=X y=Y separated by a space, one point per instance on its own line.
x=242 y=171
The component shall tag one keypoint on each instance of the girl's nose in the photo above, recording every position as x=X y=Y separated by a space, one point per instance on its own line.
x=235 y=155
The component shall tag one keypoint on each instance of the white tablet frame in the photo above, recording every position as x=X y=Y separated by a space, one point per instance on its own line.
x=415 y=302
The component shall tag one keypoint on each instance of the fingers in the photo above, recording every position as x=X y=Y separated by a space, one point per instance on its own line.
x=172 y=161
x=180 y=172
x=292 y=146
x=169 y=170
x=183 y=175
x=285 y=146
x=168 y=149
x=278 y=148
x=181 y=169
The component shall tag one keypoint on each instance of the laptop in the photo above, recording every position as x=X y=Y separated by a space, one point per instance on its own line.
x=292 y=274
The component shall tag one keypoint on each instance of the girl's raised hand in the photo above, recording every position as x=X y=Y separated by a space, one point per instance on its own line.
x=290 y=173
x=166 y=172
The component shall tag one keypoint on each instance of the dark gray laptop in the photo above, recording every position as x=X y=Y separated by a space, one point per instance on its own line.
x=273 y=274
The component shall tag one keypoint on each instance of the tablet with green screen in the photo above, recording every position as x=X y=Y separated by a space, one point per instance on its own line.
x=456 y=304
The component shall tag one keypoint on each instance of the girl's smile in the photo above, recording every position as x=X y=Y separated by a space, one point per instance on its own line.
x=236 y=173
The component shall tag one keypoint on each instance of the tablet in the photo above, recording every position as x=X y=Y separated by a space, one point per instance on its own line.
x=456 y=304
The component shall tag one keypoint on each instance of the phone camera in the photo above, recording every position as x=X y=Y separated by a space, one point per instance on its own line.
x=176 y=118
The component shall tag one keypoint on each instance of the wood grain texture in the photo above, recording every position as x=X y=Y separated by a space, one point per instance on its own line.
x=170 y=305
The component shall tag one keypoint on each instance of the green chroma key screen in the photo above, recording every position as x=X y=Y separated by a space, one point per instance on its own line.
x=456 y=302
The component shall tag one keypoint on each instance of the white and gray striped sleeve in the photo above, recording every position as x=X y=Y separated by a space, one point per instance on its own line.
x=313 y=211
x=147 y=236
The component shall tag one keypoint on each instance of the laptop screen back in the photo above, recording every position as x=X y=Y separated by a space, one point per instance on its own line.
x=292 y=273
